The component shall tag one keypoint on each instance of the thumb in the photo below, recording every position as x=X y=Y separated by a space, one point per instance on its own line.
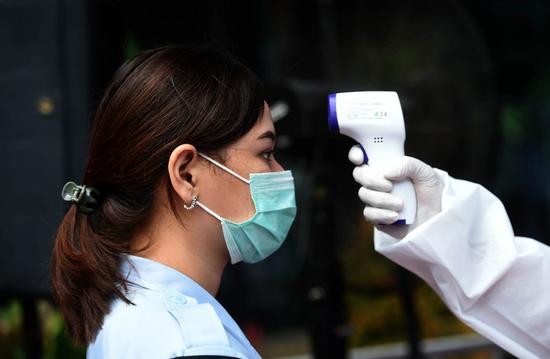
x=356 y=156
x=409 y=167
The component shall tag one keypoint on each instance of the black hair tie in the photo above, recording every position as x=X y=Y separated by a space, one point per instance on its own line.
x=86 y=198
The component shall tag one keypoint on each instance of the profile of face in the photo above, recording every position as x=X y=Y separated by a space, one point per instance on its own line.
x=222 y=192
x=253 y=153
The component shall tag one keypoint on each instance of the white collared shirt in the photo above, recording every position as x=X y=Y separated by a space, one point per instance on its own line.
x=172 y=316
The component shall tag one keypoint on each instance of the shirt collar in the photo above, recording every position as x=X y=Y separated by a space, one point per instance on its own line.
x=155 y=275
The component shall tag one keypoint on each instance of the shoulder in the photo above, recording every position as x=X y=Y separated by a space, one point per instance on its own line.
x=160 y=325
x=138 y=330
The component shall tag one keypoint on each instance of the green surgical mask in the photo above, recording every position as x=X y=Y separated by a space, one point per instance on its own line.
x=255 y=239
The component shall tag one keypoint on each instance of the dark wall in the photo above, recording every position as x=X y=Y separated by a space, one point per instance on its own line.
x=44 y=114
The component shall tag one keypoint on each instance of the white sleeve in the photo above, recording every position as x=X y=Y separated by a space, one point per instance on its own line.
x=496 y=283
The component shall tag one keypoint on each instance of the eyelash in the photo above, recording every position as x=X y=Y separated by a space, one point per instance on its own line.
x=269 y=155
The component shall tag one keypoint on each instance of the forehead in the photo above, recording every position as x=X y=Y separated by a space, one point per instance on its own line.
x=264 y=123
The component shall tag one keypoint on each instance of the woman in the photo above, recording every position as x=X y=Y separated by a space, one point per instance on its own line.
x=180 y=179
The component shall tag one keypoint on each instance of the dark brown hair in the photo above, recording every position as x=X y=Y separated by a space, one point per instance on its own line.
x=156 y=101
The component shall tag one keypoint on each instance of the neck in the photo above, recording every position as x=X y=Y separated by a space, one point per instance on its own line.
x=196 y=253
x=206 y=273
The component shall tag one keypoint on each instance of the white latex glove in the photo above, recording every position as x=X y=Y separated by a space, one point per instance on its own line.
x=382 y=208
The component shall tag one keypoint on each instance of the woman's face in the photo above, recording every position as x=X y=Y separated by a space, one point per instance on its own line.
x=227 y=195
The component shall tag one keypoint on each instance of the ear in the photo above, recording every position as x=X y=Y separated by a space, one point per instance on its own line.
x=183 y=167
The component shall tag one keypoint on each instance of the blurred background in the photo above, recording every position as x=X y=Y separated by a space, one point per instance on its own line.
x=473 y=79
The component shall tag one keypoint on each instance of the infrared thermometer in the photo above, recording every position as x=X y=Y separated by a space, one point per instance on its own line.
x=375 y=120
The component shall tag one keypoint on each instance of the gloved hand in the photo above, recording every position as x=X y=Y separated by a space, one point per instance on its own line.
x=381 y=207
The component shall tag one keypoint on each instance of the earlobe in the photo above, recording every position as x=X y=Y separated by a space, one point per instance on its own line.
x=182 y=166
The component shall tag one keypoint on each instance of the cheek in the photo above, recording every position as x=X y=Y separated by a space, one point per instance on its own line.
x=239 y=204
x=258 y=164
x=255 y=164
x=233 y=200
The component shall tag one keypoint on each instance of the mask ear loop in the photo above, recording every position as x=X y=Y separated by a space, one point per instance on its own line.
x=211 y=212
x=216 y=163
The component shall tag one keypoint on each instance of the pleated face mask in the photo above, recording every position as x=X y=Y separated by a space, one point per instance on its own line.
x=255 y=239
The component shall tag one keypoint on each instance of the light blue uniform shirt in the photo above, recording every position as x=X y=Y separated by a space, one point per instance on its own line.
x=172 y=316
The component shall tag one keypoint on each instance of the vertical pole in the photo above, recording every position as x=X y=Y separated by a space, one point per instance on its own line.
x=325 y=286
x=32 y=333
x=412 y=325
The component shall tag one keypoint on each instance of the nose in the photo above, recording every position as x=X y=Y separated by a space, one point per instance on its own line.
x=277 y=167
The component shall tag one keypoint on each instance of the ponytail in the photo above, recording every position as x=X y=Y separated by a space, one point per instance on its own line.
x=85 y=276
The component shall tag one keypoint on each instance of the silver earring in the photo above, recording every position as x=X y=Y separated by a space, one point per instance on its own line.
x=192 y=205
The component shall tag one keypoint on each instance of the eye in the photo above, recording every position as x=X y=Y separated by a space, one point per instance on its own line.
x=268 y=155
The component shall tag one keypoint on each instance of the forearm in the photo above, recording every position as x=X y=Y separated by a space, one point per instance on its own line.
x=493 y=281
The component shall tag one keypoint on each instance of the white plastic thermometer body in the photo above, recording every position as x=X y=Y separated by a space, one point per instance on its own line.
x=375 y=120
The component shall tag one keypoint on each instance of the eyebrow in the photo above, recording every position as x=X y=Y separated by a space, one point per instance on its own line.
x=268 y=134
